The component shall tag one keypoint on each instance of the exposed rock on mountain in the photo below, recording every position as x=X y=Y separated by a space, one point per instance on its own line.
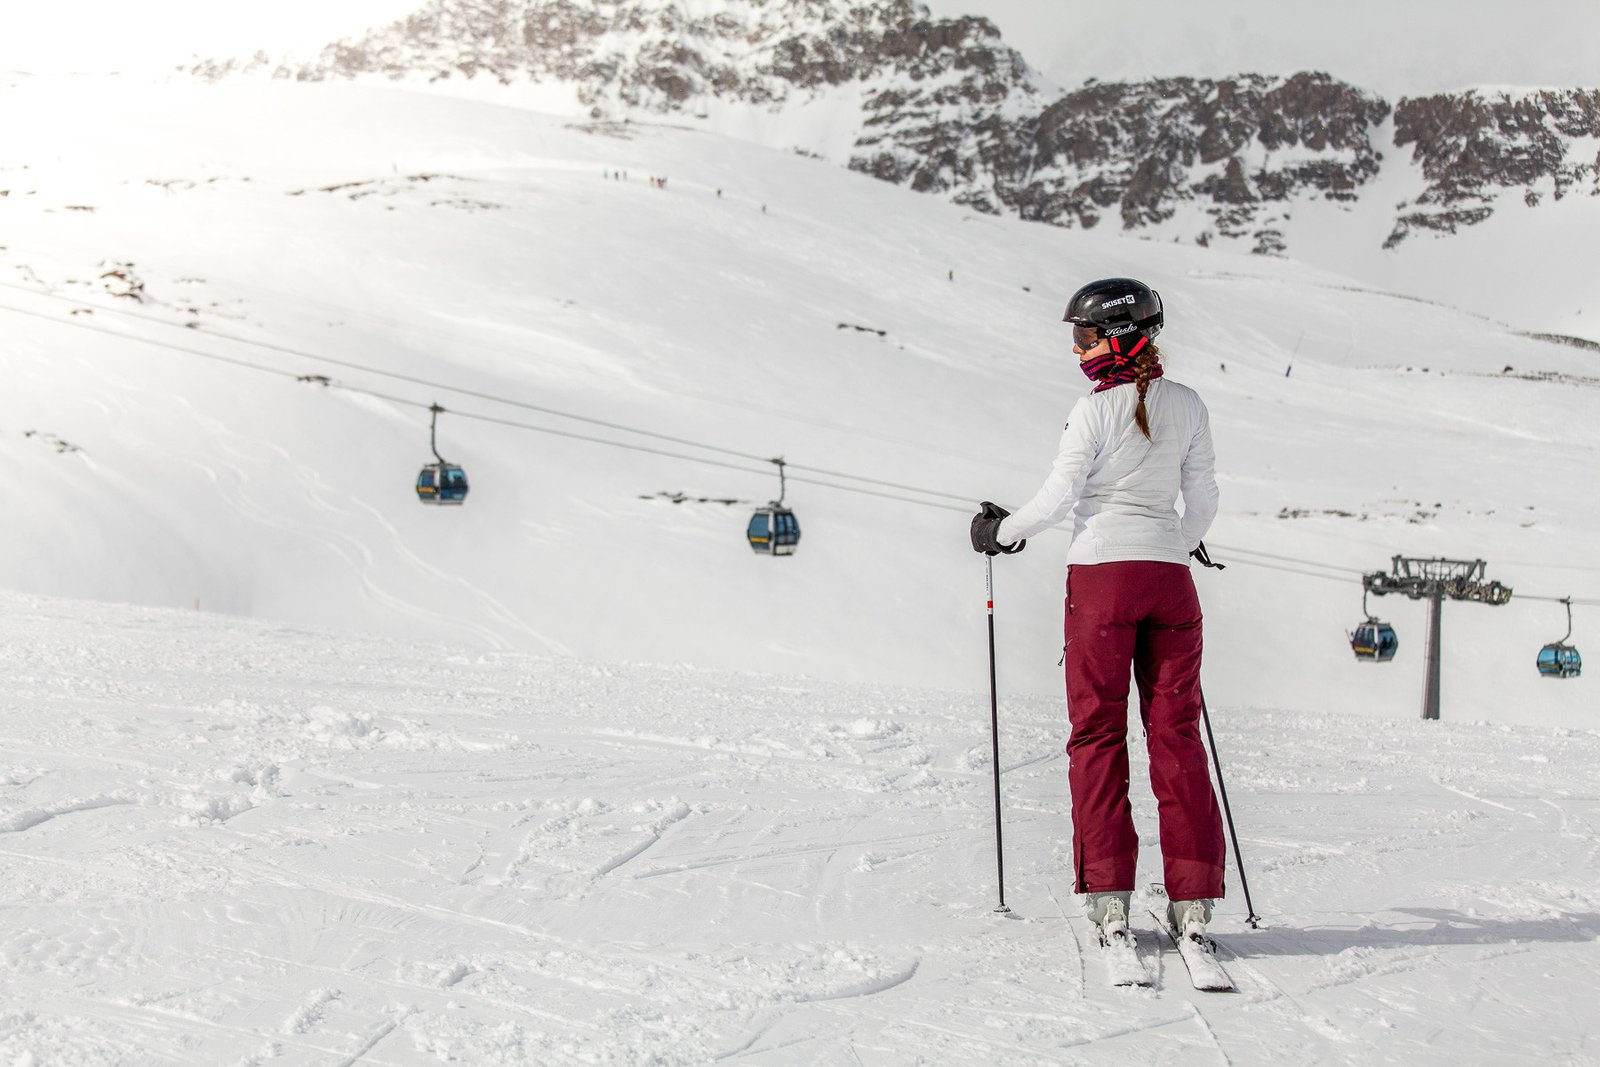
x=1239 y=149
x=1473 y=145
x=652 y=56
x=945 y=106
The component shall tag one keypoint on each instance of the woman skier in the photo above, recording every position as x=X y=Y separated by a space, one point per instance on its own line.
x=1130 y=448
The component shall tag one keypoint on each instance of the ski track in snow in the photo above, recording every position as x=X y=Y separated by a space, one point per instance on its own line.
x=232 y=842
x=15 y=822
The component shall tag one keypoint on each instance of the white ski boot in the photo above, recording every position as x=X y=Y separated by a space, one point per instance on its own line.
x=1187 y=919
x=1109 y=913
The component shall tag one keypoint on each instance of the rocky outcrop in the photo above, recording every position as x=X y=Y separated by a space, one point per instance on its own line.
x=938 y=102
x=1237 y=149
x=961 y=133
x=1474 y=146
x=653 y=56
x=945 y=106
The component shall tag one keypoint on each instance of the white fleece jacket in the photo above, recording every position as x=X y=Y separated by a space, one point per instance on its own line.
x=1119 y=489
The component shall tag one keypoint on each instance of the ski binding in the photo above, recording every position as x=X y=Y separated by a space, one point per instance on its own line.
x=1121 y=954
x=1199 y=955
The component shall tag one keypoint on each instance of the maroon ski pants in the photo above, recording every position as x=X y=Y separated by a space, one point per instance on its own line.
x=1144 y=615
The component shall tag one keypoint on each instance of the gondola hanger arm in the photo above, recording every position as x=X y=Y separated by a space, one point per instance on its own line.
x=783 y=483
x=433 y=431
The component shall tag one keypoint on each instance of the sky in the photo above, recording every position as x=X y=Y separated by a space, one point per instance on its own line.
x=1394 y=49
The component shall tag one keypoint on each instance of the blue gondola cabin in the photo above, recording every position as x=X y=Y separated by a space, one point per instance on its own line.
x=1557 y=660
x=773 y=531
x=442 y=483
x=1374 y=641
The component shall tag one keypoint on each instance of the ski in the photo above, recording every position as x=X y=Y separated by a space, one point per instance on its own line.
x=1120 y=952
x=1199 y=955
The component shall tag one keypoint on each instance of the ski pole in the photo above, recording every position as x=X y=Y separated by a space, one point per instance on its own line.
x=1252 y=918
x=994 y=734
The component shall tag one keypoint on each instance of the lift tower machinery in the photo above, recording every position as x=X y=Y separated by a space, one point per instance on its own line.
x=1433 y=580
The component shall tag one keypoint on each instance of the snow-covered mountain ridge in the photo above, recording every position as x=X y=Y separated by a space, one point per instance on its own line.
x=946 y=106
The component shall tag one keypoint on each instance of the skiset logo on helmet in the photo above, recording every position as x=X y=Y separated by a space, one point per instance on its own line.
x=1132 y=305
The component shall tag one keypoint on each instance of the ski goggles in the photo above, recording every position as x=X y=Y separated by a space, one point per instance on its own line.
x=1085 y=337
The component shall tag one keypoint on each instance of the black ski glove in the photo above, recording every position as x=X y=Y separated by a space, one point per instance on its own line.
x=986 y=531
x=1204 y=558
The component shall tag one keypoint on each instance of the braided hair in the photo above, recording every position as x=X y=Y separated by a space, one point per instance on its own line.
x=1148 y=357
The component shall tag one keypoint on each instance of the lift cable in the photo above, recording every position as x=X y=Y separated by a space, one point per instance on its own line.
x=389 y=397
x=1288 y=559
x=1579 y=601
x=475 y=394
x=1338 y=573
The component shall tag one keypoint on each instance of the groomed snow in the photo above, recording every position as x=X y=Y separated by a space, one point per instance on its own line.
x=235 y=842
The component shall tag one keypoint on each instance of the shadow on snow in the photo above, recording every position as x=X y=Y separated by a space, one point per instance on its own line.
x=1436 y=927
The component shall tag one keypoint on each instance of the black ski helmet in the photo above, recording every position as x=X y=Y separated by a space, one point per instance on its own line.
x=1117 y=307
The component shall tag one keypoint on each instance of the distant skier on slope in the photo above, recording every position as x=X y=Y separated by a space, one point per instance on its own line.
x=1130 y=448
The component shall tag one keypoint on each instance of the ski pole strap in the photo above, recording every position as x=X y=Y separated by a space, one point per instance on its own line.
x=1204 y=557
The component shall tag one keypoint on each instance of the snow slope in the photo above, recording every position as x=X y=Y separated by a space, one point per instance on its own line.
x=483 y=248
x=236 y=842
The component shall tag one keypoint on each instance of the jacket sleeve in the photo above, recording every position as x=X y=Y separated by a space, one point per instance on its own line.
x=1059 y=494
x=1199 y=481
